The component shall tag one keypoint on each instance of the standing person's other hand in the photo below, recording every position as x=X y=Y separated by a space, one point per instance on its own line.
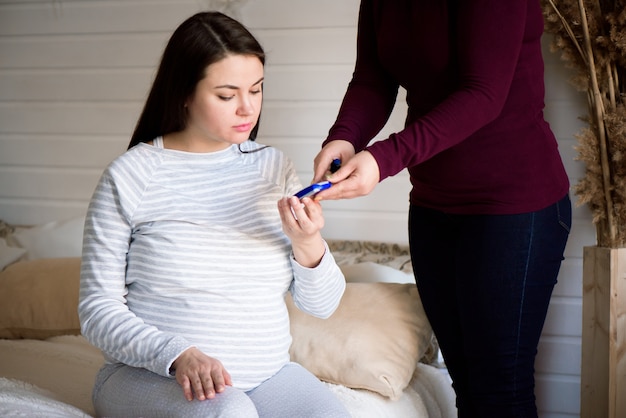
x=357 y=177
x=339 y=149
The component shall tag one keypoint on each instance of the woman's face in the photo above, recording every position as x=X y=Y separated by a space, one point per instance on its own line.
x=226 y=103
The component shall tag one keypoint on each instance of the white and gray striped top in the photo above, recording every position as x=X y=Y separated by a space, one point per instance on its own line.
x=187 y=249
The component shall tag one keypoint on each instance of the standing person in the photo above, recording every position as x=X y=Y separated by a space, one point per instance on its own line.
x=187 y=257
x=489 y=212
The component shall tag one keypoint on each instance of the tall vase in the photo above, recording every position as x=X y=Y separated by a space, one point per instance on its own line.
x=603 y=374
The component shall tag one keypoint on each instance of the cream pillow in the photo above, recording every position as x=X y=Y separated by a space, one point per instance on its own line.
x=39 y=298
x=369 y=272
x=53 y=239
x=373 y=340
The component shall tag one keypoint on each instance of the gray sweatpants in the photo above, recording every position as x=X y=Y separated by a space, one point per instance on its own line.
x=124 y=391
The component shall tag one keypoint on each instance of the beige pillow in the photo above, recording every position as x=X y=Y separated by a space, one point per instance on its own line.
x=373 y=340
x=39 y=298
x=9 y=255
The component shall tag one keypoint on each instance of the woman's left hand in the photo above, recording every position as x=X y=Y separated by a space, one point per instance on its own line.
x=302 y=222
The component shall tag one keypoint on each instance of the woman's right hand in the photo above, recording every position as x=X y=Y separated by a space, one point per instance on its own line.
x=200 y=374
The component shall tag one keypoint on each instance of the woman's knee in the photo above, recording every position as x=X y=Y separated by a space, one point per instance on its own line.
x=296 y=392
x=127 y=391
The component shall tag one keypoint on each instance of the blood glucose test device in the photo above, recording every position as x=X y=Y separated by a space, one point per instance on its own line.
x=313 y=189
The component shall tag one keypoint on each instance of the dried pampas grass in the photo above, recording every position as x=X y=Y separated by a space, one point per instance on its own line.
x=591 y=36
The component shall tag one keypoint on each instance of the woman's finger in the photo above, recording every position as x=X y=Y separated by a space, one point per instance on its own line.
x=184 y=382
x=298 y=208
x=209 y=387
x=198 y=388
x=219 y=382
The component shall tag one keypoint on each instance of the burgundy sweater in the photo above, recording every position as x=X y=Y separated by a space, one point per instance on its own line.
x=475 y=139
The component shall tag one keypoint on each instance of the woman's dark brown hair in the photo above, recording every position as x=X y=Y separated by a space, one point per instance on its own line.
x=201 y=40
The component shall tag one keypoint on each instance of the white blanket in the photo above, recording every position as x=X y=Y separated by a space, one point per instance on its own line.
x=429 y=395
x=21 y=399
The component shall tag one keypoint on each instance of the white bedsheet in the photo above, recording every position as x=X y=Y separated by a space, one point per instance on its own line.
x=429 y=395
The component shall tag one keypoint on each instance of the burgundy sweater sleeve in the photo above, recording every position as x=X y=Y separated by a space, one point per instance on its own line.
x=489 y=36
x=372 y=92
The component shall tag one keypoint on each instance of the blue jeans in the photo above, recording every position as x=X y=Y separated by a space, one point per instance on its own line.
x=486 y=282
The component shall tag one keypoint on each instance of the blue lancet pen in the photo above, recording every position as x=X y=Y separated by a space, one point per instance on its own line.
x=313 y=189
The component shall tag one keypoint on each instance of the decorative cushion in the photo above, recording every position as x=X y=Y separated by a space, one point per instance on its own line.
x=370 y=272
x=39 y=298
x=373 y=341
x=52 y=240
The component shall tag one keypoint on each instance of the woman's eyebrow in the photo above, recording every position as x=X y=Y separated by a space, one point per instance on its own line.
x=230 y=86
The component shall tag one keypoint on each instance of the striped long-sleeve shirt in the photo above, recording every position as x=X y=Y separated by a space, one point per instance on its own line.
x=187 y=249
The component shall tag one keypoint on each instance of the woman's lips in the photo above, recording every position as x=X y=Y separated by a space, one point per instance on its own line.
x=243 y=127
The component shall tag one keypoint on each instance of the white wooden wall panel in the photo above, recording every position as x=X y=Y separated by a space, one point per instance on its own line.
x=559 y=355
x=88 y=17
x=44 y=210
x=80 y=16
x=315 y=82
x=308 y=46
x=84 y=118
x=48 y=183
x=86 y=151
x=559 y=358
x=84 y=51
x=71 y=84
x=299 y=14
x=581 y=235
x=74 y=75
x=570 y=279
x=563 y=317
x=558 y=396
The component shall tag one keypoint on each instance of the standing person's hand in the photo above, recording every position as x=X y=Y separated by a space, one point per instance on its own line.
x=357 y=177
x=339 y=149
x=200 y=374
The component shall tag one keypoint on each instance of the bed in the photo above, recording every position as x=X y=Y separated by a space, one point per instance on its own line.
x=376 y=352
